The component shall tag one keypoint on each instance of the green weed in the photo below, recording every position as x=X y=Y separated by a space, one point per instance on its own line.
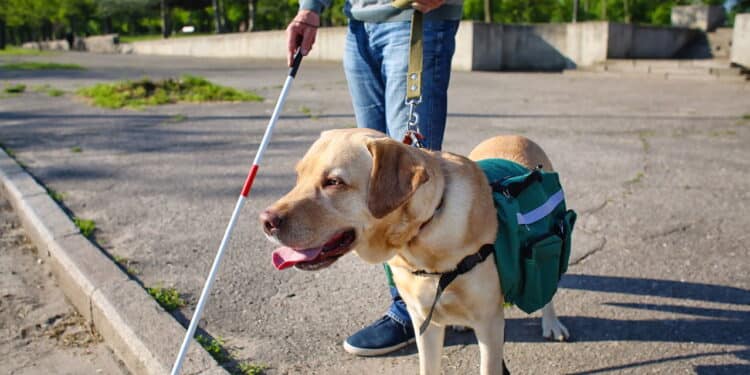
x=308 y=112
x=86 y=226
x=55 y=92
x=177 y=118
x=33 y=65
x=18 y=51
x=251 y=369
x=719 y=133
x=746 y=116
x=638 y=178
x=49 y=90
x=76 y=149
x=8 y=150
x=168 y=298
x=145 y=92
x=643 y=136
x=214 y=347
x=15 y=89
x=56 y=195
x=125 y=263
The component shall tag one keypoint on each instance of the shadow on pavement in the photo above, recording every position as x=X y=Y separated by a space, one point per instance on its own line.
x=695 y=324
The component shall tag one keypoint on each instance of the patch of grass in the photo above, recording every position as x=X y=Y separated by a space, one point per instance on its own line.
x=643 y=136
x=86 y=226
x=251 y=369
x=125 y=263
x=18 y=51
x=76 y=149
x=33 y=65
x=15 y=89
x=55 y=92
x=147 y=92
x=8 y=150
x=746 y=116
x=308 y=112
x=51 y=91
x=56 y=195
x=638 y=178
x=719 y=133
x=177 y=118
x=214 y=347
x=168 y=298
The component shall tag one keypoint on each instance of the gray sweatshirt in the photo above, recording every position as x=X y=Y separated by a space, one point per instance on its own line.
x=383 y=11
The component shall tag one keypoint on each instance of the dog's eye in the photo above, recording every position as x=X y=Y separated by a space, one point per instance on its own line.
x=332 y=181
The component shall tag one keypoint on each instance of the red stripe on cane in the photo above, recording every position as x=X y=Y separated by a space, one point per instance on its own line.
x=249 y=181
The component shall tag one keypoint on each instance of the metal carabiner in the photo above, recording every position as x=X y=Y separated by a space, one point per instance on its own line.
x=413 y=136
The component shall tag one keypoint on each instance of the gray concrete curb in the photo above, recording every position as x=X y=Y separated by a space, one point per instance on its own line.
x=144 y=336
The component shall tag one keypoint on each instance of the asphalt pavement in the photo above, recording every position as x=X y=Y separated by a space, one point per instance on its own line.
x=657 y=170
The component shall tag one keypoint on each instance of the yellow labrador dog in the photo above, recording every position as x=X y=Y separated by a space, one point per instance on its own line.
x=358 y=190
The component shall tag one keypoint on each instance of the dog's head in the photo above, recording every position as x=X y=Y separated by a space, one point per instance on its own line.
x=356 y=190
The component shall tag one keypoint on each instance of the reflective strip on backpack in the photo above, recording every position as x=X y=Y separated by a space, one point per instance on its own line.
x=540 y=212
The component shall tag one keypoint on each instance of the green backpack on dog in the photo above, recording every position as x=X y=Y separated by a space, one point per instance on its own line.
x=532 y=248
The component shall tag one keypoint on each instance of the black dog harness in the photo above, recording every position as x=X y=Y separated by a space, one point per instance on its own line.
x=466 y=265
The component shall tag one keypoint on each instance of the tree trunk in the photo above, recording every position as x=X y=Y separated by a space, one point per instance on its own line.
x=626 y=9
x=604 y=10
x=575 y=11
x=251 y=6
x=488 y=11
x=2 y=34
x=166 y=27
x=217 y=18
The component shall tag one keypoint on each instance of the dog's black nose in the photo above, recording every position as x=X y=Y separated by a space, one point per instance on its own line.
x=271 y=222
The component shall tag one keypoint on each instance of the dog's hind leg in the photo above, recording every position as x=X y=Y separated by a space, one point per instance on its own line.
x=552 y=328
x=491 y=335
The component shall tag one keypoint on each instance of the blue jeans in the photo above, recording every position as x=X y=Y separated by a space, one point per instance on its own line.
x=376 y=59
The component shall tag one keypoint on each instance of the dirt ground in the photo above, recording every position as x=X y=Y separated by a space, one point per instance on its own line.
x=40 y=333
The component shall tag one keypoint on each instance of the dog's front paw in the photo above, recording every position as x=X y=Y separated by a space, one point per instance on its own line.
x=554 y=330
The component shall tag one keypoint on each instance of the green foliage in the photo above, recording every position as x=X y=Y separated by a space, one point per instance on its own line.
x=49 y=90
x=30 y=65
x=147 y=92
x=15 y=89
x=76 y=149
x=214 y=347
x=524 y=11
x=177 y=118
x=57 y=196
x=55 y=92
x=251 y=369
x=86 y=226
x=8 y=150
x=168 y=298
x=18 y=51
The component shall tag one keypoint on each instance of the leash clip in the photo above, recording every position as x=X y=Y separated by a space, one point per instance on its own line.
x=413 y=136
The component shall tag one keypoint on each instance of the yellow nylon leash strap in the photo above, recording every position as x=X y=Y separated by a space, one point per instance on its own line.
x=401 y=4
x=416 y=45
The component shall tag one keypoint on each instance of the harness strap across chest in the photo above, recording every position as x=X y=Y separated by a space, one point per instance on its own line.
x=466 y=265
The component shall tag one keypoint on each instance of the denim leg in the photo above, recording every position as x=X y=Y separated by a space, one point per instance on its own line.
x=366 y=87
x=439 y=46
x=398 y=311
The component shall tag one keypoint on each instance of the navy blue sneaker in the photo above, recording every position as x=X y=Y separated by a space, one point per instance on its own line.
x=381 y=337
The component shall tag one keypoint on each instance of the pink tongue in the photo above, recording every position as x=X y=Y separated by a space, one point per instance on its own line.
x=285 y=257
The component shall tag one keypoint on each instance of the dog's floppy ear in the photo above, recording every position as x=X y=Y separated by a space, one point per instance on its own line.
x=396 y=175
